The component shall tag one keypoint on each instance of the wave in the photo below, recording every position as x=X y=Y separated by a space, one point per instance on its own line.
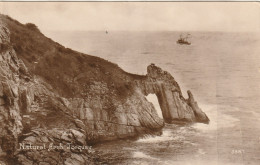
x=218 y=119
x=196 y=162
x=139 y=154
x=166 y=136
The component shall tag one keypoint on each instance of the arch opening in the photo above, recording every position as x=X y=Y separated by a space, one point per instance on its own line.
x=154 y=100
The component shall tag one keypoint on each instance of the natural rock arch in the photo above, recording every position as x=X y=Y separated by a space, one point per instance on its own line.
x=154 y=100
x=175 y=108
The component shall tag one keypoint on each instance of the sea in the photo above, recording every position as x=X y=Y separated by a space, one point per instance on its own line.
x=222 y=69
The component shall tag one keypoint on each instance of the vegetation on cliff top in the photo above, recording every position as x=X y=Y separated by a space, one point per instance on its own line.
x=68 y=71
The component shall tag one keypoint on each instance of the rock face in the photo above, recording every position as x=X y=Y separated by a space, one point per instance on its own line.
x=175 y=108
x=55 y=96
x=28 y=118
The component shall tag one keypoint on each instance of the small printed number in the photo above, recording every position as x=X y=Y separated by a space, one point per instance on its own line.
x=237 y=152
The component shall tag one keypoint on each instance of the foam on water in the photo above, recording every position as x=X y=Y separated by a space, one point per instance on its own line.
x=215 y=113
x=196 y=162
x=140 y=162
x=166 y=136
x=217 y=118
x=257 y=114
x=201 y=152
x=139 y=154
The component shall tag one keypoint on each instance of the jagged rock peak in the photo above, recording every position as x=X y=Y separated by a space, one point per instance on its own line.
x=154 y=71
x=175 y=108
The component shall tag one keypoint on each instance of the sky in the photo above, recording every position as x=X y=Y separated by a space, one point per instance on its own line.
x=137 y=16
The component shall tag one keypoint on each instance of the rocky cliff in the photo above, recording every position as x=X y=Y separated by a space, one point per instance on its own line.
x=175 y=108
x=52 y=96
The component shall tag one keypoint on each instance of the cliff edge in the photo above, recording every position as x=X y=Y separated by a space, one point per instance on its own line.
x=52 y=95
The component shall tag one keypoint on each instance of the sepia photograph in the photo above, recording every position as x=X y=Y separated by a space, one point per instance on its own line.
x=129 y=83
